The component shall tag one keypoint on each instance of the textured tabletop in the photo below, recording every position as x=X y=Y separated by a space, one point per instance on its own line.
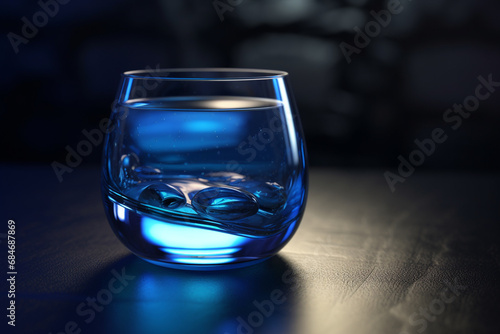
x=424 y=259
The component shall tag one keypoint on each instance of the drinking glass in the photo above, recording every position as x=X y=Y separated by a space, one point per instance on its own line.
x=204 y=168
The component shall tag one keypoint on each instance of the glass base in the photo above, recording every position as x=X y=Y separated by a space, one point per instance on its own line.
x=169 y=244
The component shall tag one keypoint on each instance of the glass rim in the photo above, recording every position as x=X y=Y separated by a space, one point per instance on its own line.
x=206 y=74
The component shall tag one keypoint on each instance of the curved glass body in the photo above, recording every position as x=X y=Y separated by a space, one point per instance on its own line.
x=204 y=168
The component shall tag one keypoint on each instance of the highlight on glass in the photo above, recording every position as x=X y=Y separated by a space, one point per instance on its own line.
x=204 y=168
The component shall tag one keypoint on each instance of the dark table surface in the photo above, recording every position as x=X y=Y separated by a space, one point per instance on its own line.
x=424 y=259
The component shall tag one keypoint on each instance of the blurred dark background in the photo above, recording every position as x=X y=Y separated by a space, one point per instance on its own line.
x=364 y=113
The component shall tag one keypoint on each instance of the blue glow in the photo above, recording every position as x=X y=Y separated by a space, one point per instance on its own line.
x=204 y=261
x=200 y=252
x=171 y=131
x=171 y=302
x=204 y=290
x=179 y=236
x=204 y=125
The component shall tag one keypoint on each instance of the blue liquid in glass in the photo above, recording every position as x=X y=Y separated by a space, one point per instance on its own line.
x=204 y=181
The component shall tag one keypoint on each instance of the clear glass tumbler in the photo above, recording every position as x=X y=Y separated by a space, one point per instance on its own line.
x=204 y=168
